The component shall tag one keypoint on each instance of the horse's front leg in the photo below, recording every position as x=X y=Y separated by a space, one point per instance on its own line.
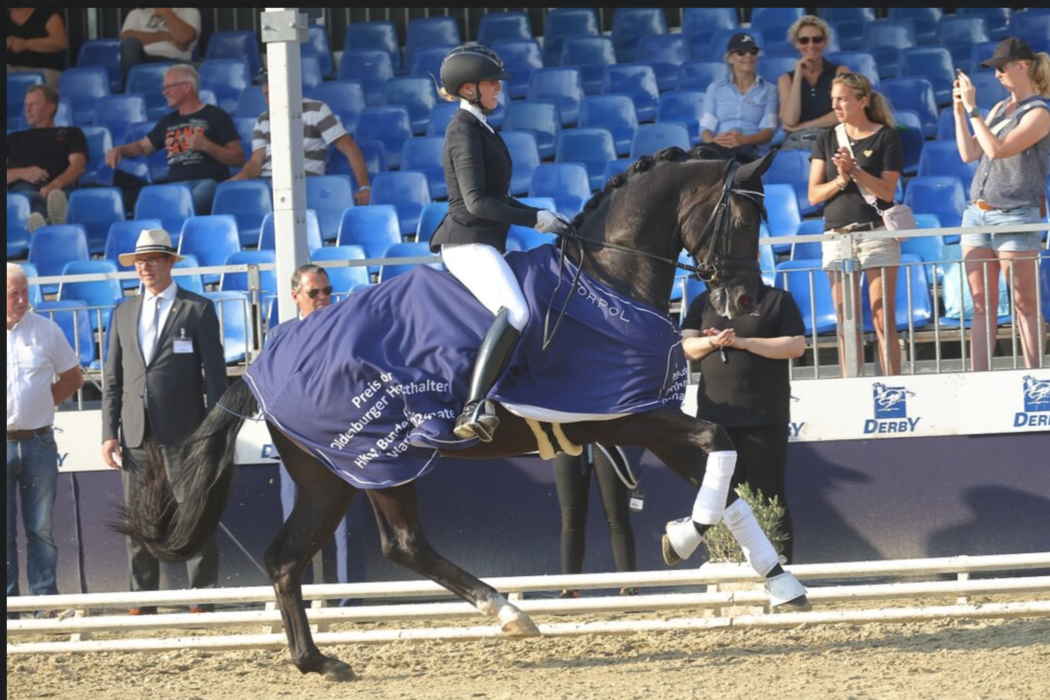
x=405 y=543
x=680 y=442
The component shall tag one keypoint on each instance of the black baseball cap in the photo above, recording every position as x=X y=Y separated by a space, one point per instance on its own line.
x=741 y=42
x=1011 y=49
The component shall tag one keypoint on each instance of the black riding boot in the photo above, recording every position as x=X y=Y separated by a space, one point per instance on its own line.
x=479 y=418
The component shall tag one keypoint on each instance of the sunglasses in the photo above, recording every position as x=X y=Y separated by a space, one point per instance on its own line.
x=327 y=291
x=746 y=52
x=806 y=39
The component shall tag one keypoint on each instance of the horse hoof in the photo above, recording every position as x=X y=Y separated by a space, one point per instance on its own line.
x=800 y=604
x=785 y=589
x=336 y=671
x=670 y=556
x=520 y=628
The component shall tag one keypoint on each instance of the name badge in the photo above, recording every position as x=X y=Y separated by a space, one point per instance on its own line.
x=183 y=346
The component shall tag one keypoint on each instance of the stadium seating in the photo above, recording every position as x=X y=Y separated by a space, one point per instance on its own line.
x=102 y=53
x=372 y=151
x=346 y=99
x=17 y=225
x=1044 y=284
x=423 y=154
x=440 y=115
x=933 y=63
x=96 y=209
x=697 y=75
x=36 y=297
x=429 y=219
x=520 y=58
x=430 y=31
x=563 y=22
x=17 y=84
x=590 y=54
x=101 y=295
x=372 y=68
x=809 y=250
x=73 y=318
x=925 y=20
x=172 y=204
x=268 y=233
x=538 y=117
x=563 y=86
x=503 y=26
x=915 y=94
x=251 y=103
x=959 y=33
x=317 y=46
x=417 y=95
x=342 y=278
x=117 y=112
x=943 y=196
x=239 y=44
x=1032 y=25
x=405 y=250
x=388 y=125
x=909 y=127
x=239 y=281
x=630 y=24
x=156 y=162
x=666 y=53
x=375 y=228
x=989 y=90
x=235 y=319
x=615 y=113
x=427 y=61
x=407 y=191
x=997 y=19
x=247 y=201
x=147 y=79
x=568 y=184
x=380 y=35
x=848 y=23
x=651 y=138
x=329 y=195
x=638 y=80
x=525 y=158
x=911 y=273
x=884 y=38
x=83 y=87
x=811 y=288
x=792 y=168
x=592 y=148
x=784 y=215
x=942 y=158
x=861 y=62
x=192 y=282
x=99 y=141
x=51 y=247
x=226 y=77
x=772 y=67
x=210 y=239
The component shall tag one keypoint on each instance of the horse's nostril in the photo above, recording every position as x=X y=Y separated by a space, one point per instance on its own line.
x=746 y=302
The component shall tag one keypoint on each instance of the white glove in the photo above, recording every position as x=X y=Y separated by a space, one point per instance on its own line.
x=548 y=221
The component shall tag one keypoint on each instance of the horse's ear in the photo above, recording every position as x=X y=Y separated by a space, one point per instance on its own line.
x=754 y=169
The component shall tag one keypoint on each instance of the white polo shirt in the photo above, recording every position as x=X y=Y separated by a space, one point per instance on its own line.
x=37 y=350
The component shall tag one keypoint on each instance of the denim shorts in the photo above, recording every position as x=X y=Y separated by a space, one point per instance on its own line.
x=1009 y=242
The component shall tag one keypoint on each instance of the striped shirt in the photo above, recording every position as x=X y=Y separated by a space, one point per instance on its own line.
x=321 y=128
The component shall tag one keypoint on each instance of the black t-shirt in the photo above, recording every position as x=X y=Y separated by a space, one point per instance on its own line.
x=876 y=153
x=746 y=390
x=173 y=129
x=45 y=148
x=34 y=28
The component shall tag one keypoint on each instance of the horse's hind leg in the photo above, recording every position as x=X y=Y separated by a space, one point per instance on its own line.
x=320 y=502
x=405 y=543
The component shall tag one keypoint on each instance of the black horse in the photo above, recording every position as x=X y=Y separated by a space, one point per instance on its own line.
x=629 y=237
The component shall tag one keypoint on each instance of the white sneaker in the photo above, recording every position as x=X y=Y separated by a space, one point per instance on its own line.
x=57 y=203
x=35 y=221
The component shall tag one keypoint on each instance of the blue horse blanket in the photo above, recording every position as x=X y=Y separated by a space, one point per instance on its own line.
x=372 y=385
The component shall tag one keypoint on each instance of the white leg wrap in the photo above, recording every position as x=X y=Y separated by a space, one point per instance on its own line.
x=711 y=501
x=784 y=588
x=683 y=537
x=745 y=530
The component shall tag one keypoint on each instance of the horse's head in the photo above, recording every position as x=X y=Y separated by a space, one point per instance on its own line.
x=720 y=229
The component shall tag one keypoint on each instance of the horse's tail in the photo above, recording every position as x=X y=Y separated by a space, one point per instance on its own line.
x=174 y=519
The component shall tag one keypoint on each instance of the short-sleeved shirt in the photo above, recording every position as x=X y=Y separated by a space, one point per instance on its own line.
x=37 y=350
x=726 y=109
x=143 y=19
x=746 y=390
x=876 y=153
x=47 y=148
x=34 y=28
x=172 y=131
x=321 y=128
x=816 y=99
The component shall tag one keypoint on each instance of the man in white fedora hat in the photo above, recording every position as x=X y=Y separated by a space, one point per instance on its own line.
x=164 y=371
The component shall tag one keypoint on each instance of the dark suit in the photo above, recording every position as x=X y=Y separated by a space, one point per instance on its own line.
x=161 y=403
x=477 y=171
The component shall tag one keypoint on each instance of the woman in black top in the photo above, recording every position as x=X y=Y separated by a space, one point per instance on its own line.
x=473 y=234
x=36 y=38
x=805 y=104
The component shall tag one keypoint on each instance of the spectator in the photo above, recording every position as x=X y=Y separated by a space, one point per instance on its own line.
x=37 y=351
x=1013 y=146
x=153 y=393
x=36 y=40
x=321 y=129
x=805 y=104
x=745 y=385
x=854 y=169
x=45 y=161
x=572 y=478
x=155 y=34
x=740 y=110
x=200 y=140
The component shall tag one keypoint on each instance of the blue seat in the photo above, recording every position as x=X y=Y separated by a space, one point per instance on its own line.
x=247 y=201
x=430 y=31
x=238 y=281
x=909 y=127
x=102 y=53
x=697 y=75
x=651 y=138
x=615 y=167
x=96 y=209
x=630 y=24
x=147 y=79
x=429 y=219
x=318 y=46
x=99 y=141
x=172 y=204
x=784 y=214
x=537 y=117
x=810 y=287
x=423 y=154
x=390 y=125
x=925 y=20
x=343 y=279
x=17 y=225
x=942 y=158
x=121 y=239
x=958 y=301
x=563 y=86
x=638 y=80
x=310 y=69
x=268 y=233
x=1044 y=284
x=73 y=318
x=929 y=249
x=426 y=61
x=765 y=16
x=407 y=191
x=83 y=87
x=792 y=168
x=958 y=33
x=525 y=157
x=917 y=95
x=979 y=53
x=117 y=112
x=568 y=184
x=997 y=19
x=848 y=23
x=989 y=90
x=226 y=77
x=772 y=67
x=503 y=26
x=251 y=103
x=520 y=58
x=943 y=196
x=440 y=115
x=933 y=63
x=700 y=23
x=562 y=22
x=946 y=125
x=590 y=54
x=157 y=162
x=592 y=148
x=373 y=153
x=53 y=246
x=36 y=297
x=884 y=38
x=810 y=250
x=102 y=295
x=235 y=320
x=375 y=228
x=371 y=68
x=405 y=250
x=17 y=84
x=1032 y=25
x=417 y=95
x=862 y=62
x=191 y=282
x=615 y=113
x=210 y=239
x=346 y=99
x=240 y=44
x=914 y=274
x=329 y=195
x=380 y=35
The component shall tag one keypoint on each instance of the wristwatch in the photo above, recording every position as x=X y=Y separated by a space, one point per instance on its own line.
x=974 y=113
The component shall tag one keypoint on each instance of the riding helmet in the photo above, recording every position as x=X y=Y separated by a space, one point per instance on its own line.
x=470 y=63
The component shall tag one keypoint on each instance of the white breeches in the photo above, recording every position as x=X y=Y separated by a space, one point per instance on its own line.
x=487 y=275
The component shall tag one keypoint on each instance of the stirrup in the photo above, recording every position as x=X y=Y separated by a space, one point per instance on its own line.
x=478 y=420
